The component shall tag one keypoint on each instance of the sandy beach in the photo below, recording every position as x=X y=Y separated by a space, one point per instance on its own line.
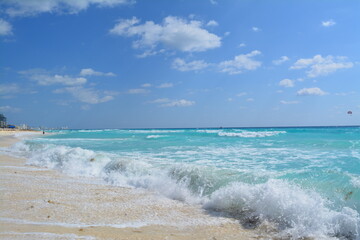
x=38 y=203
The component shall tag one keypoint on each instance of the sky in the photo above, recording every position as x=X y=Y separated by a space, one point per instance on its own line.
x=180 y=63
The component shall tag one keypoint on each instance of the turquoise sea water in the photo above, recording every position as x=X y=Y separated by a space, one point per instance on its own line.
x=305 y=181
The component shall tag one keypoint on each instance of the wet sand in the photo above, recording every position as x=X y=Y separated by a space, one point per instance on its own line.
x=38 y=203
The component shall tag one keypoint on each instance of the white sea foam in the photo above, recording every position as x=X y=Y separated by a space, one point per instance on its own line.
x=91 y=131
x=156 y=131
x=208 y=131
x=250 y=134
x=79 y=139
x=355 y=181
x=75 y=225
x=46 y=235
x=74 y=161
x=297 y=212
x=155 y=136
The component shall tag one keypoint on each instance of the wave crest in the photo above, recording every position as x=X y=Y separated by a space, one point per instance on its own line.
x=250 y=134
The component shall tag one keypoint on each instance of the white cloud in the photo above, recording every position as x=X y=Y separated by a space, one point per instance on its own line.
x=289 y=102
x=6 y=89
x=161 y=100
x=166 y=102
x=242 y=45
x=9 y=109
x=165 y=85
x=311 y=91
x=146 y=85
x=174 y=33
x=92 y=72
x=181 y=65
x=86 y=95
x=287 y=83
x=137 y=91
x=212 y=23
x=250 y=99
x=5 y=28
x=281 y=60
x=33 y=7
x=328 y=23
x=240 y=63
x=256 y=29
x=213 y=2
x=42 y=77
x=178 y=103
x=58 y=79
x=321 y=66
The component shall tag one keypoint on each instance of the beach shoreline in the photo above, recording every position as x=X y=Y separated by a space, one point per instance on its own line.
x=39 y=203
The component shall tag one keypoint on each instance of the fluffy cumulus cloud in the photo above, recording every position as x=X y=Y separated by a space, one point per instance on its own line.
x=173 y=33
x=240 y=63
x=34 y=7
x=5 y=28
x=287 y=83
x=321 y=66
x=182 y=65
x=87 y=95
x=281 y=60
x=328 y=23
x=92 y=72
x=166 y=102
x=311 y=91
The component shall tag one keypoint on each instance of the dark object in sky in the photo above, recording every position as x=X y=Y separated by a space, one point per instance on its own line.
x=349 y=112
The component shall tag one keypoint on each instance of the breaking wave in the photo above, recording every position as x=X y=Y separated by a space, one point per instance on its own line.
x=294 y=211
x=250 y=134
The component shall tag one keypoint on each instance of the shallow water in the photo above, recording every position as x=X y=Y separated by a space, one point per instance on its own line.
x=306 y=181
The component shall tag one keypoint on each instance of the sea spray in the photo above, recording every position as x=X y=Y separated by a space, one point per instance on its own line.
x=295 y=211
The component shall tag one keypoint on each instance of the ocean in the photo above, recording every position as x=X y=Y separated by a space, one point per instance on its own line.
x=303 y=181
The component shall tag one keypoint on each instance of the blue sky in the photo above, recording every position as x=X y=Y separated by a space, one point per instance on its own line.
x=179 y=63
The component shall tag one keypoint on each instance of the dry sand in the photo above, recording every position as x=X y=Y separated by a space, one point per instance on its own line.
x=37 y=203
